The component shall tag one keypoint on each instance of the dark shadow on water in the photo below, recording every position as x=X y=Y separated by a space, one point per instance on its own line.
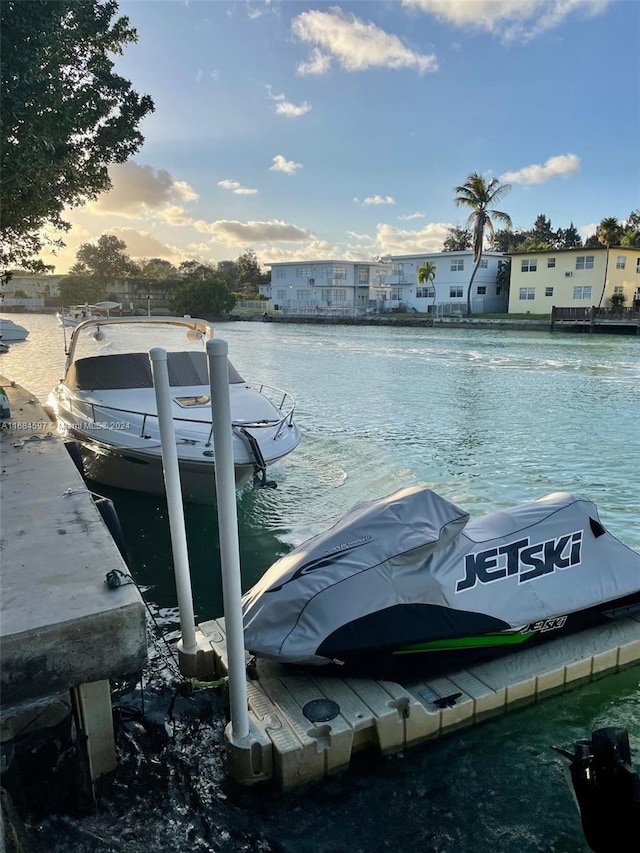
x=145 y=525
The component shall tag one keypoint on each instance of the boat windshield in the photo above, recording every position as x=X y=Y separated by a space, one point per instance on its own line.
x=112 y=338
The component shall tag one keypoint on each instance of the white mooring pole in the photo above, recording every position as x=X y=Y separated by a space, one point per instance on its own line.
x=217 y=351
x=160 y=373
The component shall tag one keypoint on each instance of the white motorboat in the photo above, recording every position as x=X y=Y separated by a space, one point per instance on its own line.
x=106 y=404
x=76 y=314
x=11 y=332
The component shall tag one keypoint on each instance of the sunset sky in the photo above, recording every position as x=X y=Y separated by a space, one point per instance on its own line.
x=318 y=130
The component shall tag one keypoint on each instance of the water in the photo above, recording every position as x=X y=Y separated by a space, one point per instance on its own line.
x=487 y=419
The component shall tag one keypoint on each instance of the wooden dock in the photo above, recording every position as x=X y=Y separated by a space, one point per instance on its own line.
x=599 y=320
x=306 y=725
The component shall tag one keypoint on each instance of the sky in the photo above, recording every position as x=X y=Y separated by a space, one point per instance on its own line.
x=309 y=131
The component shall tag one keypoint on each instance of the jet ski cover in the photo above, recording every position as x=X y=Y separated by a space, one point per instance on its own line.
x=411 y=568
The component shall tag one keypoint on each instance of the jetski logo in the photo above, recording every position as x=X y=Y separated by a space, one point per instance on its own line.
x=332 y=556
x=522 y=559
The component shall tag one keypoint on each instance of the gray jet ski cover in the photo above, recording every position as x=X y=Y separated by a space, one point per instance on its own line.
x=539 y=560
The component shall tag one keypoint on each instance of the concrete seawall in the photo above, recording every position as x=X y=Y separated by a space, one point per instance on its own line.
x=63 y=631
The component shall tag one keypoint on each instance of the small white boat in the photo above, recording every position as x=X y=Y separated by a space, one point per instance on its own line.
x=76 y=314
x=106 y=403
x=11 y=332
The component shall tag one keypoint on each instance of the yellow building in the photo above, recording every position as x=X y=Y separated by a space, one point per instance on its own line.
x=573 y=278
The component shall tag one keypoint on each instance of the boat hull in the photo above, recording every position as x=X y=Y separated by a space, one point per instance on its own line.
x=143 y=472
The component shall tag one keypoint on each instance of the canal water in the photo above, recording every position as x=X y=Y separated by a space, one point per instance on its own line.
x=486 y=418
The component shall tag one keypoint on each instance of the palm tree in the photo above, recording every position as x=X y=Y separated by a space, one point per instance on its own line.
x=479 y=195
x=609 y=232
x=427 y=275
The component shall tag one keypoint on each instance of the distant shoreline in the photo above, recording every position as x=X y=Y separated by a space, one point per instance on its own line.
x=408 y=322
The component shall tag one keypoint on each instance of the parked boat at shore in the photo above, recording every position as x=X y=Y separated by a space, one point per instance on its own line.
x=76 y=314
x=106 y=403
x=11 y=332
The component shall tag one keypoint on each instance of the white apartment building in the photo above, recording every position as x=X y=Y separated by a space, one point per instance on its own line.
x=449 y=289
x=299 y=285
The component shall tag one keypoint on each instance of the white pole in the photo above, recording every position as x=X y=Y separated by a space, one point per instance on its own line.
x=217 y=350
x=160 y=373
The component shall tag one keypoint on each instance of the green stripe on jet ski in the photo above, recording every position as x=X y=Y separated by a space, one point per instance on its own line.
x=466 y=643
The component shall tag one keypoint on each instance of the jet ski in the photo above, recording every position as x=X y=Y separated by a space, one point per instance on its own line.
x=411 y=574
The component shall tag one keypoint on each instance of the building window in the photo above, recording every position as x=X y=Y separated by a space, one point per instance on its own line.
x=582 y=292
x=584 y=262
x=326 y=296
x=303 y=272
x=340 y=296
x=303 y=297
x=637 y=266
x=280 y=296
x=529 y=265
x=484 y=263
x=397 y=293
x=548 y=291
x=527 y=293
x=551 y=263
x=481 y=290
x=618 y=289
x=280 y=271
x=621 y=262
x=455 y=292
x=425 y=292
x=339 y=272
x=457 y=264
x=363 y=275
x=325 y=272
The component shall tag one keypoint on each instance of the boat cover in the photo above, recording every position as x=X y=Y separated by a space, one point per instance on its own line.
x=411 y=568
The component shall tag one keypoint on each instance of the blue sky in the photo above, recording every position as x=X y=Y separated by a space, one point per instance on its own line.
x=315 y=130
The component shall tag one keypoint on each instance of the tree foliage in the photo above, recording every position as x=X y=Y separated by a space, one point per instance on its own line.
x=65 y=114
x=77 y=289
x=105 y=261
x=480 y=195
x=194 y=271
x=250 y=276
x=158 y=269
x=212 y=298
x=459 y=239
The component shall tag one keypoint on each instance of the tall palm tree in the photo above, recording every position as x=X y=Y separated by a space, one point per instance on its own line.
x=427 y=275
x=479 y=195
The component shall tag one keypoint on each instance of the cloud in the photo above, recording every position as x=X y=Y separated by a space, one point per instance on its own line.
x=139 y=189
x=235 y=187
x=174 y=214
x=234 y=233
x=354 y=44
x=286 y=108
x=319 y=63
x=509 y=20
x=289 y=167
x=378 y=199
x=396 y=241
x=141 y=244
x=416 y=215
x=563 y=164
x=311 y=252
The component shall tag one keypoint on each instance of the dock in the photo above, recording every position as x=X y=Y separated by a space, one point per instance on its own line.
x=63 y=631
x=619 y=320
x=306 y=725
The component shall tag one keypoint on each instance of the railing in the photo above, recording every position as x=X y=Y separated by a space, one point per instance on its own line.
x=593 y=313
x=286 y=407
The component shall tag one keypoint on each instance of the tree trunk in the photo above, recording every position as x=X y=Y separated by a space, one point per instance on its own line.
x=473 y=275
